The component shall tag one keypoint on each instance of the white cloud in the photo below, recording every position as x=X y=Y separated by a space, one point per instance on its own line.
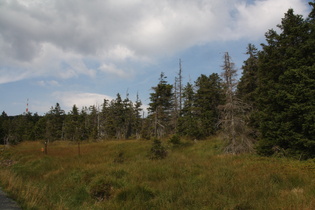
x=52 y=83
x=120 y=53
x=253 y=20
x=7 y=75
x=113 y=70
x=51 y=62
x=53 y=38
x=70 y=98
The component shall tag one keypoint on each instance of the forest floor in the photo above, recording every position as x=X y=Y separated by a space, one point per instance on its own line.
x=123 y=175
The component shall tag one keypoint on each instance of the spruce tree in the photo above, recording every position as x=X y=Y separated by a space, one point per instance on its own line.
x=161 y=107
x=54 y=123
x=209 y=95
x=286 y=88
x=137 y=117
x=187 y=124
x=248 y=82
x=71 y=127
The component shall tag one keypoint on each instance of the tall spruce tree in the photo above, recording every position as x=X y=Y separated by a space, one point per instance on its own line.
x=248 y=82
x=286 y=88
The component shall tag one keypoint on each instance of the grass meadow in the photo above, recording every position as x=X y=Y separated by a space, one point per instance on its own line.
x=120 y=175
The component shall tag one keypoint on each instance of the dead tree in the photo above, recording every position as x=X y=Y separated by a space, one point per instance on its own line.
x=178 y=89
x=233 y=114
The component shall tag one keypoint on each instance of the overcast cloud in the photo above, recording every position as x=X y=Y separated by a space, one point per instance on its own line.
x=53 y=38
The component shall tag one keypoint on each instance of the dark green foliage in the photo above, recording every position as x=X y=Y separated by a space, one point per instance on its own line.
x=14 y=129
x=248 y=82
x=161 y=107
x=187 y=122
x=73 y=128
x=286 y=88
x=3 y=127
x=157 y=151
x=175 y=140
x=118 y=119
x=54 y=123
x=209 y=96
x=200 y=114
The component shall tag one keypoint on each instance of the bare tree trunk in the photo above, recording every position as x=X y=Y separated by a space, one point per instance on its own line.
x=178 y=86
x=6 y=141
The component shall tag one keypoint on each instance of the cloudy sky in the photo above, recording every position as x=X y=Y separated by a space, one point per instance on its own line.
x=80 y=52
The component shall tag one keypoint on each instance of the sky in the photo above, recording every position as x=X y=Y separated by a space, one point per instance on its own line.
x=81 y=52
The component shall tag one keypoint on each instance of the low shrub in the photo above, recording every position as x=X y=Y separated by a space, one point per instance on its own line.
x=175 y=140
x=158 y=151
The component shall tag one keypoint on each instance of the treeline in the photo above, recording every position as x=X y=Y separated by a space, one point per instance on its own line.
x=120 y=119
x=123 y=118
x=270 y=109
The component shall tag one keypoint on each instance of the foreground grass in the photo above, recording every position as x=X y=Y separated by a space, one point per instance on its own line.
x=119 y=175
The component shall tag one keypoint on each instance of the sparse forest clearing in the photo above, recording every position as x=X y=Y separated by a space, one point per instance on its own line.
x=120 y=175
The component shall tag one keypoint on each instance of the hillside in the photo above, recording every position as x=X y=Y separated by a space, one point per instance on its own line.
x=119 y=175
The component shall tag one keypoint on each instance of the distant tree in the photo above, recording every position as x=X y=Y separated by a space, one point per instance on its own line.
x=54 y=124
x=104 y=119
x=92 y=120
x=161 y=107
x=72 y=125
x=84 y=119
x=119 y=114
x=128 y=117
x=40 y=128
x=137 y=117
x=120 y=119
x=187 y=125
x=209 y=95
x=4 y=121
x=109 y=119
